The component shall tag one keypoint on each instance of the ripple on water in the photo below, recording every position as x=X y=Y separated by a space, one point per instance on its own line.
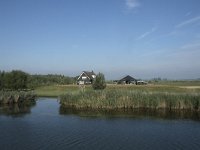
x=44 y=128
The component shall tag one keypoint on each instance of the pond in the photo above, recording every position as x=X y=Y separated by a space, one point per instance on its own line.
x=46 y=126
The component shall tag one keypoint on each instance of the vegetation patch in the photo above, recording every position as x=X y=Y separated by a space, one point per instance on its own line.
x=99 y=82
x=130 y=99
x=14 y=88
x=13 y=97
x=55 y=90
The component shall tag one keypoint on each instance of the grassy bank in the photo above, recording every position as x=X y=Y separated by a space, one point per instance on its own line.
x=12 y=97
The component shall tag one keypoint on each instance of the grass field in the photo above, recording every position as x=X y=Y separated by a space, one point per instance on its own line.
x=179 y=83
x=57 y=90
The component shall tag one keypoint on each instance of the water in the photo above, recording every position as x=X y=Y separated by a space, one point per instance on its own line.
x=45 y=126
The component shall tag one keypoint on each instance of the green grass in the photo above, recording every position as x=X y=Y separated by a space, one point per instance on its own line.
x=179 y=83
x=157 y=88
x=57 y=90
x=54 y=91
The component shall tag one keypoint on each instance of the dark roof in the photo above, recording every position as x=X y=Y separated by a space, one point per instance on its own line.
x=89 y=74
x=127 y=78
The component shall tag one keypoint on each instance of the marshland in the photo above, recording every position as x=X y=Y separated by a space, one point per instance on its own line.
x=132 y=96
x=53 y=58
x=158 y=94
x=59 y=114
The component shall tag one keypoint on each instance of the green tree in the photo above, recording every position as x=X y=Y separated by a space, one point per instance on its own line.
x=99 y=82
x=15 y=80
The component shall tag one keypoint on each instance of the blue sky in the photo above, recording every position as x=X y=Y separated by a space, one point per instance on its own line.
x=142 y=38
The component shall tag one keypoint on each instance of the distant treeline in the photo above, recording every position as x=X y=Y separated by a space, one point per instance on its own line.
x=18 y=79
x=165 y=81
x=50 y=79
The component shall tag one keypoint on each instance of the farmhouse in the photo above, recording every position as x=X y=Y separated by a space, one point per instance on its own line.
x=86 y=77
x=127 y=80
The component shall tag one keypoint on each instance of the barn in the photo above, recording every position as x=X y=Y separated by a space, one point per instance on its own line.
x=127 y=80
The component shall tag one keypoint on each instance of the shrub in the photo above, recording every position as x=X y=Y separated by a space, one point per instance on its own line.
x=99 y=82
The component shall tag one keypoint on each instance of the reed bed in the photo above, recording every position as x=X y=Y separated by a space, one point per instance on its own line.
x=12 y=97
x=130 y=99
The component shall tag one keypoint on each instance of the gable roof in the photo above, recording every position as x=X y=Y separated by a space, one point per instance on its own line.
x=88 y=74
x=128 y=78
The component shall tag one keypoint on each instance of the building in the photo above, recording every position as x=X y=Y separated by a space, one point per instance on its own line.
x=127 y=80
x=86 y=77
x=141 y=82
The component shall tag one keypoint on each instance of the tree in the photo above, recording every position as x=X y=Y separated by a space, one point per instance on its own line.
x=1 y=80
x=99 y=82
x=15 y=80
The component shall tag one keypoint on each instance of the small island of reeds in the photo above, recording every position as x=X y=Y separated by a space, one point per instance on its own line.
x=131 y=98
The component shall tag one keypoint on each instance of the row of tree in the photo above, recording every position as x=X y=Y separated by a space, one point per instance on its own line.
x=50 y=79
x=17 y=79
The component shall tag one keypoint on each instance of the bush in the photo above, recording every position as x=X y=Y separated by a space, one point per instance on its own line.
x=99 y=82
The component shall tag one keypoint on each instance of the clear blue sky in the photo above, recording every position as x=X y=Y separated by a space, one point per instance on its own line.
x=142 y=38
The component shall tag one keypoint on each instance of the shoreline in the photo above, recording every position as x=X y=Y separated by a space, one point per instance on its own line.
x=17 y=97
x=125 y=109
x=124 y=96
x=134 y=113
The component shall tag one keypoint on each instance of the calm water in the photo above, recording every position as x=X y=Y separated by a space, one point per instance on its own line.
x=45 y=126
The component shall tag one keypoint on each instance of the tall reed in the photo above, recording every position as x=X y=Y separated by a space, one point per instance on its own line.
x=130 y=99
x=11 y=97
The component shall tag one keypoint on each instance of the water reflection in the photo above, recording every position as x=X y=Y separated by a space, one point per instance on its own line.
x=16 y=110
x=135 y=113
x=44 y=128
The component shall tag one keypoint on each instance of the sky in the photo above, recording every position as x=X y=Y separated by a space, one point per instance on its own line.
x=142 y=38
